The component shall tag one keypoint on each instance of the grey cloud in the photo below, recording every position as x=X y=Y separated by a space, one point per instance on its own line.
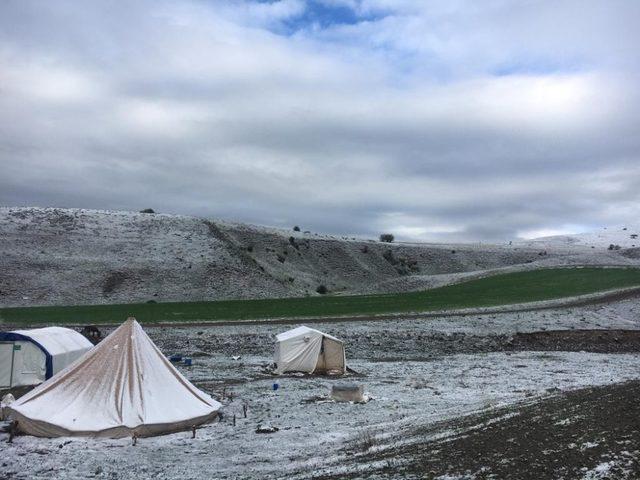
x=197 y=108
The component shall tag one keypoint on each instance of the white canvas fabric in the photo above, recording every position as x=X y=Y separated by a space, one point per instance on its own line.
x=23 y=362
x=305 y=349
x=123 y=386
x=63 y=344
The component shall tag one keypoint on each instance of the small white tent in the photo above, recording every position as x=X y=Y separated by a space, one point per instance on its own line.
x=304 y=349
x=29 y=357
x=123 y=387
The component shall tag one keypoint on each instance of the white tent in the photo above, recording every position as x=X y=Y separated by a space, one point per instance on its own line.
x=29 y=357
x=123 y=387
x=304 y=349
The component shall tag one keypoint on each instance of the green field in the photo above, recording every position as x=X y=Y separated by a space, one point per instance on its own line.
x=496 y=290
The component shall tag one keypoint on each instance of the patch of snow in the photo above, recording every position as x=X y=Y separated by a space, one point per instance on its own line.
x=599 y=472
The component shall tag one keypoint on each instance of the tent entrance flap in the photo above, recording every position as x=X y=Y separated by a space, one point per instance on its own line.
x=331 y=356
x=6 y=360
x=334 y=355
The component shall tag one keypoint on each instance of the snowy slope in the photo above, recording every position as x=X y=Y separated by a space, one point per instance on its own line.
x=625 y=237
x=51 y=256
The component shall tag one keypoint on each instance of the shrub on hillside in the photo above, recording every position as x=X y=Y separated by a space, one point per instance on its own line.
x=148 y=210
x=407 y=266
x=296 y=228
x=389 y=257
x=322 y=289
x=387 y=237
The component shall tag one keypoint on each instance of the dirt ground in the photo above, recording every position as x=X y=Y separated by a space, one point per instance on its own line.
x=589 y=433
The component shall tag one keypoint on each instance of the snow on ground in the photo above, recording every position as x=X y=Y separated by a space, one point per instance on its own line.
x=624 y=236
x=312 y=434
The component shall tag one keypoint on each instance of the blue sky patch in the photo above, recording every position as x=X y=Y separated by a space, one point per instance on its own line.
x=536 y=66
x=318 y=14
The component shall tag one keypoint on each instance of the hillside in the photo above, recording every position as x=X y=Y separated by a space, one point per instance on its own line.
x=625 y=237
x=71 y=256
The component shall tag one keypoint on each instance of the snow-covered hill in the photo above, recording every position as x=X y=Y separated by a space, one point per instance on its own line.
x=623 y=237
x=51 y=256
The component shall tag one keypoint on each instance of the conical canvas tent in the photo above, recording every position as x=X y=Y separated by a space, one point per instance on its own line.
x=123 y=386
x=304 y=349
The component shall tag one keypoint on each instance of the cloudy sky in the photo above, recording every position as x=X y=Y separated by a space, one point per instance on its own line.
x=435 y=120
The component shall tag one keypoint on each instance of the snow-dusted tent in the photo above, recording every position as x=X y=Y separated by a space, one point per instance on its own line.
x=29 y=357
x=304 y=349
x=123 y=387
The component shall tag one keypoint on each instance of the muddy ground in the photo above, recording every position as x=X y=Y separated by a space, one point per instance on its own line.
x=589 y=433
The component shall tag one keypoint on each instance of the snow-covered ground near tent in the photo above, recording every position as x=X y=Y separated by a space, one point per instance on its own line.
x=411 y=369
x=312 y=434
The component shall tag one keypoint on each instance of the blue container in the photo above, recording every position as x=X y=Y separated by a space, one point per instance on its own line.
x=175 y=358
x=275 y=387
x=187 y=362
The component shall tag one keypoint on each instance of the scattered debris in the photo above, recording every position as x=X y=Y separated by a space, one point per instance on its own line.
x=269 y=429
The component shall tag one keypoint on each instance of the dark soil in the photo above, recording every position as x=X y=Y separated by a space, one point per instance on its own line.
x=601 y=341
x=399 y=345
x=563 y=437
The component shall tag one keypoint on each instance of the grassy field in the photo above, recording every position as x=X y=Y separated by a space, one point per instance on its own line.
x=496 y=290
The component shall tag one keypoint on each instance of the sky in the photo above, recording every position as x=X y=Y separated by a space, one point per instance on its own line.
x=452 y=120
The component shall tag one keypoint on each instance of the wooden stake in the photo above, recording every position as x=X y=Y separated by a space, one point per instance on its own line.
x=13 y=427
